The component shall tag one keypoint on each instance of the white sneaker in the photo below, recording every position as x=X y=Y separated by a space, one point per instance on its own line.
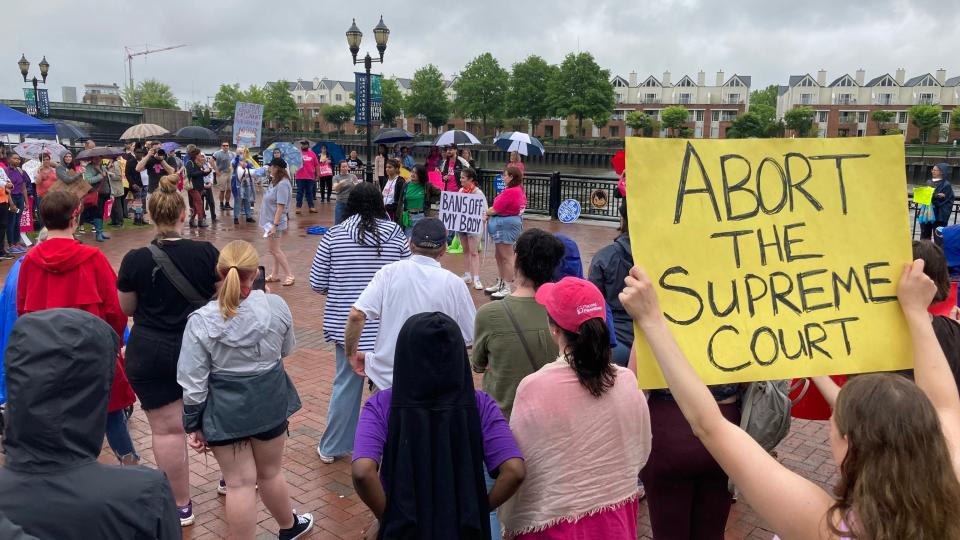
x=497 y=285
x=476 y=283
x=502 y=293
x=467 y=277
x=325 y=459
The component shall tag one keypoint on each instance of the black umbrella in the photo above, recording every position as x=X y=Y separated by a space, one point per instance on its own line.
x=392 y=135
x=107 y=152
x=197 y=133
x=70 y=131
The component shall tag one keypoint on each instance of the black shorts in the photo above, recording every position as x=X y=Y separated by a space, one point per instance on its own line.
x=151 y=365
x=262 y=436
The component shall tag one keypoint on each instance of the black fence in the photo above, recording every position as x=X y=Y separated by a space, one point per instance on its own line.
x=598 y=196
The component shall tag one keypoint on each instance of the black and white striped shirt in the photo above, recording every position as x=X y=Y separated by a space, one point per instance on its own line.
x=343 y=267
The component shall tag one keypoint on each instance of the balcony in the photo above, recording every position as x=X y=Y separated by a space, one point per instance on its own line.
x=928 y=101
x=847 y=119
x=732 y=101
x=845 y=100
x=887 y=100
x=650 y=100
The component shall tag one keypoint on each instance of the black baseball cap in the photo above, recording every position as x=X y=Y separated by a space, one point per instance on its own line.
x=429 y=233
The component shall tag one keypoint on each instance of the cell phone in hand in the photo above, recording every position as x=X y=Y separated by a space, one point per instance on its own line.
x=260 y=282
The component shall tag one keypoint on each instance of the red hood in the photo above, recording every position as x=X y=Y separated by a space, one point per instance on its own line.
x=61 y=255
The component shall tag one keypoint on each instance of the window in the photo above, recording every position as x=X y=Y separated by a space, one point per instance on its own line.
x=417 y=128
x=299 y=99
x=945 y=117
x=614 y=131
x=619 y=97
x=806 y=99
x=862 y=117
x=884 y=99
x=697 y=115
x=723 y=116
x=886 y=81
x=619 y=83
x=650 y=82
x=848 y=117
x=323 y=98
x=735 y=82
x=845 y=99
x=339 y=97
x=807 y=82
x=928 y=81
x=902 y=117
x=733 y=98
x=548 y=132
x=822 y=116
x=650 y=98
x=685 y=98
x=845 y=81
x=926 y=98
x=714 y=116
x=685 y=83
x=617 y=115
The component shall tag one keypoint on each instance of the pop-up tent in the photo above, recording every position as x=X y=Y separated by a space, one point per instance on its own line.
x=13 y=121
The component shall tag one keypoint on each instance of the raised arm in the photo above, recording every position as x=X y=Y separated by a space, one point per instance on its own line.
x=930 y=369
x=794 y=506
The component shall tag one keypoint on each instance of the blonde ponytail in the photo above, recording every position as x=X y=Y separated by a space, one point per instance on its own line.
x=238 y=261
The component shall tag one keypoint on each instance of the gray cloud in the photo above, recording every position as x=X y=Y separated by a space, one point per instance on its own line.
x=250 y=42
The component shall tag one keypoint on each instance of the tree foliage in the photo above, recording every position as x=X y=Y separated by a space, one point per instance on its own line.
x=581 y=89
x=279 y=105
x=926 y=118
x=338 y=115
x=766 y=96
x=881 y=118
x=392 y=106
x=800 y=120
x=759 y=122
x=481 y=90
x=201 y=114
x=428 y=96
x=225 y=102
x=674 y=118
x=527 y=96
x=642 y=123
x=150 y=93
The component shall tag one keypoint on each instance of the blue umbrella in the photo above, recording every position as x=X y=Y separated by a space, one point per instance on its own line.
x=334 y=150
x=515 y=141
x=170 y=146
x=290 y=153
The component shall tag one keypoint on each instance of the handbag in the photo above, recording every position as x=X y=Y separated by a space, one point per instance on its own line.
x=523 y=340
x=176 y=278
x=91 y=199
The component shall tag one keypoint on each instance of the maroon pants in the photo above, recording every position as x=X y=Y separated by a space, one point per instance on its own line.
x=686 y=488
x=196 y=203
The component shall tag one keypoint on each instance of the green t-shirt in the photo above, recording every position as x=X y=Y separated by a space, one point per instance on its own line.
x=498 y=352
x=414 y=196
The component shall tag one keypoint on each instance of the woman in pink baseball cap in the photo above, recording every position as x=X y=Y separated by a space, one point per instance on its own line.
x=582 y=426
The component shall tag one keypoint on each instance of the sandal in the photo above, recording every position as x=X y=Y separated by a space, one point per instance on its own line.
x=271 y=279
x=289 y=281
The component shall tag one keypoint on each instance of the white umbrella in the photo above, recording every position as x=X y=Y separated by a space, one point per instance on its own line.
x=515 y=141
x=143 y=131
x=456 y=136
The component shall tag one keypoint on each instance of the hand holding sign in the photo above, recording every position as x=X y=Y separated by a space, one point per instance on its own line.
x=463 y=212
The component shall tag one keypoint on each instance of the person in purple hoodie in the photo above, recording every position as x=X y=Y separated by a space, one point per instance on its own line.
x=19 y=181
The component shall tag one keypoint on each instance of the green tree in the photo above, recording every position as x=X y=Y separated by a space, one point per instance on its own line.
x=338 y=115
x=280 y=105
x=225 y=102
x=392 y=106
x=428 y=97
x=527 y=96
x=881 y=118
x=926 y=118
x=955 y=118
x=581 y=89
x=766 y=96
x=800 y=120
x=760 y=122
x=642 y=123
x=481 y=90
x=150 y=93
x=674 y=118
x=201 y=114
x=255 y=94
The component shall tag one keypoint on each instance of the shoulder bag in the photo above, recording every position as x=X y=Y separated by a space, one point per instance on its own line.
x=523 y=340
x=175 y=277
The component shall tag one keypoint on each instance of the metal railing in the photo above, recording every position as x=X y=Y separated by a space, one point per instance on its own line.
x=597 y=195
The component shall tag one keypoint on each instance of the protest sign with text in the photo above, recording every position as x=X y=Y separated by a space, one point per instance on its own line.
x=462 y=212
x=247 y=124
x=773 y=258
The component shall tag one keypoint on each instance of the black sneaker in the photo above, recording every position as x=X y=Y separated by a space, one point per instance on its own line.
x=251 y=220
x=236 y=221
x=301 y=526
x=6 y=257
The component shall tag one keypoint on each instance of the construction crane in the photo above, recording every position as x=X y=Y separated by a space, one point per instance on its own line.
x=146 y=50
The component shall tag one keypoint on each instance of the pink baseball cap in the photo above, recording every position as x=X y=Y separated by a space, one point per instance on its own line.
x=572 y=301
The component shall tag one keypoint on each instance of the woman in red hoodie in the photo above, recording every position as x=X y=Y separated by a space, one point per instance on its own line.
x=63 y=273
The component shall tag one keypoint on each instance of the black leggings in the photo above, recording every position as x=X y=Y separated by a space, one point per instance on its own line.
x=326 y=188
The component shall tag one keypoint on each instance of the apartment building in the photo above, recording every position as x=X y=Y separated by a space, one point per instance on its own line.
x=844 y=105
x=103 y=94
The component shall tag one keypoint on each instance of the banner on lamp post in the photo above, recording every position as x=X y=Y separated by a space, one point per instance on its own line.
x=30 y=101
x=360 y=94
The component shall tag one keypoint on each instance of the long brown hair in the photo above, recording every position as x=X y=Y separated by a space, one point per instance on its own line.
x=897 y=479
x=238 y=261
x=282 y=173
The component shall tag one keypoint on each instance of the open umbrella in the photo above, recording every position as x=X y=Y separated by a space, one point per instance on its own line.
x=515 y=141
x=290 y=153
x=196 y=133
x=392 y=135
x=334 y=151
x=105 y=152
x=69 y=131
x=455 y=136
x=143 y=131
x=33 y=149
x=170 y=146
x=619 y=162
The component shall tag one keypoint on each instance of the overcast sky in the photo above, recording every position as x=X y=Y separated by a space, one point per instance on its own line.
x=250 y=42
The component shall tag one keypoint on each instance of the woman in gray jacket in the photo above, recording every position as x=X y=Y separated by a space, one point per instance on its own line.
x=230 y=359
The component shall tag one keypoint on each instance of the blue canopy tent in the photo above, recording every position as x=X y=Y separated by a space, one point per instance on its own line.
x=12 y=121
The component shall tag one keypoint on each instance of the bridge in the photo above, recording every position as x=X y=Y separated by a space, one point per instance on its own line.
x=101 y=116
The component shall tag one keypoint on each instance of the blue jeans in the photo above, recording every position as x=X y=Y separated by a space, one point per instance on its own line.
x=339 y=212
x=494 y=522
x=118 y=437
x=13 y=220
x=344 y=409
x=245 y=204
x=306 y=188
x=414 y=218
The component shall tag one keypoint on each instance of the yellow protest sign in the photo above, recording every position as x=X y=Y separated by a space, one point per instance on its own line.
x=773 y=258
x=923 y=195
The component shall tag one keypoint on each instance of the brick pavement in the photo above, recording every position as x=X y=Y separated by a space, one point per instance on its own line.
x=326 y=490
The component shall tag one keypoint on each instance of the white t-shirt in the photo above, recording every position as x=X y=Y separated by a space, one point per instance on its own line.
x=144 y=178
x=389 y=190
x=405 y=288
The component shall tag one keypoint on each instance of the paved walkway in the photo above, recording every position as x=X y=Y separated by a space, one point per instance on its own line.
x=327 y=490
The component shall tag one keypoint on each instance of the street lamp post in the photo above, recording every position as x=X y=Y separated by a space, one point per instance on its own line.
x=380 y=33
x=44 y=69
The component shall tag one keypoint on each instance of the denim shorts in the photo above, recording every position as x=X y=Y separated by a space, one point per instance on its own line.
x=504 y=229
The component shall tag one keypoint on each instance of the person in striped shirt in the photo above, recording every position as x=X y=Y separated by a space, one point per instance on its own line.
x=347 y=258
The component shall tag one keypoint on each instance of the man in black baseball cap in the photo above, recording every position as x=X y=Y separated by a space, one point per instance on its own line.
x=429 y=234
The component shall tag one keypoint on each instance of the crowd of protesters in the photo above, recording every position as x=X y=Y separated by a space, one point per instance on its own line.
x=553 y=446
